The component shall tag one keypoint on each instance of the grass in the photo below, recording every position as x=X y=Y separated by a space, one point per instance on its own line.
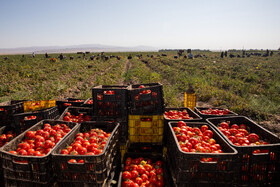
x=248 y=86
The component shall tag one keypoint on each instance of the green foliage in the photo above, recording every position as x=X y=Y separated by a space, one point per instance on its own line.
x=248 y=86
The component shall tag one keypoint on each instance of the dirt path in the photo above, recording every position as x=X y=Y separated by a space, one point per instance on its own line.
x=127 y=66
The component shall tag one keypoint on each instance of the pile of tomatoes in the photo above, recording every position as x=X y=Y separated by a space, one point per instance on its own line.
x=175 y=114
x=41 y=142
x=239 y=136
x=78 y=119
x=90 y=102
x=26 y=118
x=145 y=92
x=5 y=138
x=140 y=172
x=87 y=143
x=194 y=139
x=211 y=111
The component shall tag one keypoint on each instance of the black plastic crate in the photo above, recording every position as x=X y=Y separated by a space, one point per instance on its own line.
x=36 y=171
x=144 y=148
x=146 y=101
x=77 y=111
x=154 y=157
x=21 y=123
x=8 y=110
x=256 y=169
x=110 y=102
x=63 y=104
x=187 y=167
x=96 y=168
x=205 y=116
x=4 y=130
x=191 y=113
x=87 y=104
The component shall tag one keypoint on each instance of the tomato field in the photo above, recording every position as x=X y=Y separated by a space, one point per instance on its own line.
x=249 y=86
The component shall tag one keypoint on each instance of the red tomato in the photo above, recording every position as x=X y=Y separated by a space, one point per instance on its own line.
x=126 y=175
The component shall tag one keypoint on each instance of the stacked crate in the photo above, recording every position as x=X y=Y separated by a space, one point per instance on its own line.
x=7 y=111
x=63 y=104
x=110 y=104
x=145 y=120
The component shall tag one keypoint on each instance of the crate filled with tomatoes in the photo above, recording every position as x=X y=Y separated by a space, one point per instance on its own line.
x=63 y=104
x=77 y=114
x=144 y=169
x=23 y=121
x=87 y=156
x=178 y=114
x=145 y=129
x=7 y=133
x=146 y=99
x=258 y=149
x=88 y=103
x=26 y=160
x=205 y=112
x=198 y=155
x=7 y=111
x=30 y=106
x=110 y=102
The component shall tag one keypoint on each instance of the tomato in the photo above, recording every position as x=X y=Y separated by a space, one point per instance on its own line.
x=72 y=161
x=126 y=175
x=144 y=177
x=234 y=126
x=139 y=180
x=159 y=171
x=204 y=128
x=208 y=133
x=82 y=150
x=181 y=123
x=232 y=139
x=233 y=131
x=193 y=141
x=159 y=183
x=30 y=134
x=224 y=125
x=253 y=137
x=134 y=174
x=64 y=152
x=242 y=126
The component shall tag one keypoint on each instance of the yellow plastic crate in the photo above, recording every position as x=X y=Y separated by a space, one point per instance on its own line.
x=123 y=149
x=38 y=105
x=145 y=128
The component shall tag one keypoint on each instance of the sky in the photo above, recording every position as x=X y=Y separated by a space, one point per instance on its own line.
x=200 y=24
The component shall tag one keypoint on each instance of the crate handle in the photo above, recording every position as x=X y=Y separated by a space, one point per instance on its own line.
x=109 y=92
x=146 y=119
x=23 y=162
x=259 y=152
x=208 y=162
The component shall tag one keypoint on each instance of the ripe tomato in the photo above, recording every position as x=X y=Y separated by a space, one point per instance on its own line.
x=126 y=175
x=224 y=125
x=208 y=133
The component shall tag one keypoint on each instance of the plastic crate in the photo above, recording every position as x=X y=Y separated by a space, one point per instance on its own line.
x=86 y=104
x=256 y=169
x=8 y=109
x=76 y=111
x=144 y=148
x=21 y=124
x=110 y=102
x=191 y=113
x=96 y=168
x=30 y=106
x=37 y=171
x=145 y=129
x=154 y=157
x=205 y=116
x=4 y=130
x=151 y=103
x=63 y=104
x=187 y=167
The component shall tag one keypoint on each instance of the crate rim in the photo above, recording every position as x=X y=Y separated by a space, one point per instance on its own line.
x=151 y=85
x=240 y=147
x=198 y=153
x=23 y=134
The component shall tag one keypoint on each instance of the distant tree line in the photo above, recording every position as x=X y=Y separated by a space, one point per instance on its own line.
x=193 y=50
